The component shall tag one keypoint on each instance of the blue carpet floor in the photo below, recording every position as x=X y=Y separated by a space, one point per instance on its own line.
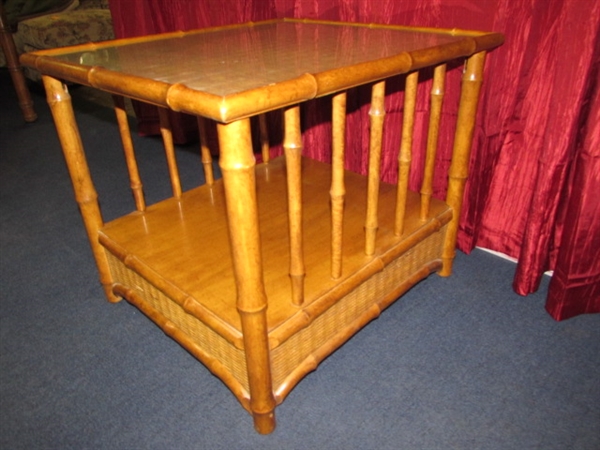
x=457 y=363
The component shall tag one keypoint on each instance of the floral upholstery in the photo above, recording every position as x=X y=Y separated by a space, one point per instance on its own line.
x=93 y=4
x=88 y=22
x=70 y=28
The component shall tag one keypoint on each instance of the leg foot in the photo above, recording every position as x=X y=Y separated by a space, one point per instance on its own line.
x=264 y=423
x=446 y=269
x=110 y=295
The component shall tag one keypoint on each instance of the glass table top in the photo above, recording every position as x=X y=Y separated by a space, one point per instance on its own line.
x=232 y=60
x=233 y=72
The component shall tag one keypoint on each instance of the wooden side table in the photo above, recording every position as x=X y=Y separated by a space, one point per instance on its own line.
x=301 y=254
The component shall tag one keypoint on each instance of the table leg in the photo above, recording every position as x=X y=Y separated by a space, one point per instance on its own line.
x=463 y=139
x=59 y=101
x=237 y=165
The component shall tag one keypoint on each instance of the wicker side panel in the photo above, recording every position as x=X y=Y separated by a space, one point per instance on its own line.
x=347 y=311
x=211 y=342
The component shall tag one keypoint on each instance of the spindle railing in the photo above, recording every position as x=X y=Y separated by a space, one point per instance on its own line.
x=128 y=150
x=292 y=146
x=377 y=115
x=338 y=189
x=437 y=98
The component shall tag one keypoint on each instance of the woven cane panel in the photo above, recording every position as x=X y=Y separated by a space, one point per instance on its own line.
x=288 y=356
x=211 y=342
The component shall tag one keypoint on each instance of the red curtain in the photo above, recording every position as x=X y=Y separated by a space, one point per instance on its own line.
x=535 y=172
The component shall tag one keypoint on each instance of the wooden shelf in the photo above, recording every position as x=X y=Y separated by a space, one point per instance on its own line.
x=180 y=238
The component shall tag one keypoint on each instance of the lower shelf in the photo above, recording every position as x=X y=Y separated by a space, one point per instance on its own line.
x=173 y=262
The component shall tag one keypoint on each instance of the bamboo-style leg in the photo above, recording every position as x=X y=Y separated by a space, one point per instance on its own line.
x=59 y=101
x=338 y=190
x=405 y=155
x=205 y=152
x=437 y=98
x=377 y=114
x=167 y=135
x=264 y=138
x=16 y=71
x=237 y=164
x=463 y=139
x=132 y=167
x=292 y=144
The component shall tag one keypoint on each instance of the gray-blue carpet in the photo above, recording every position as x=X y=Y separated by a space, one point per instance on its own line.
x=457 y=363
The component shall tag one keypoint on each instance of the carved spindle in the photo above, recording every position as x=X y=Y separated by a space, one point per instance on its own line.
x=437 y=98
x=463 y=139
x=59 y=101
x=134 y=175
x=205 y=152
x=264 y=138
x=237 y=165
x=338 y=190
x=405 y=156
x=167 y=135
x=377 y=114
x=292 y=144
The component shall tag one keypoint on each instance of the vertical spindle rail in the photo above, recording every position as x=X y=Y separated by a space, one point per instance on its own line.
x=437 y=99
x=132 y=167
x=205 y=152
x=264 y=138
x=338 y=190
x=463 y=138
x=59 y=101
x=405 y=154
x=237 y=165
x=377 y=114
x=292 y=144
x=167 y=135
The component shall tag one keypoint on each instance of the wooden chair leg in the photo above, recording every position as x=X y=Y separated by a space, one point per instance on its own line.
x=16 y=71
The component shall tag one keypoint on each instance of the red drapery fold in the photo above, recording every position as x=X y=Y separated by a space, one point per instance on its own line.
x=534 y=184
x=575 y=286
